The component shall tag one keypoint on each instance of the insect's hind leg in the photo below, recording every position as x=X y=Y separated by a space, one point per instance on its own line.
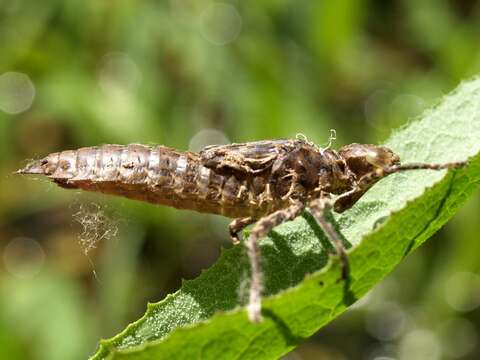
x=318 y=208
x=238 y=225
x=261 y=229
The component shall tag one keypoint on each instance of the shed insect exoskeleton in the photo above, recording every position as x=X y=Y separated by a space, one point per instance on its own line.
x=264 y=182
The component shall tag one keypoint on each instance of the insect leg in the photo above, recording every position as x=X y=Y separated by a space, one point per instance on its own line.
x=261 y=229
x=420 y=166
x=238 y=225
x=318 y=208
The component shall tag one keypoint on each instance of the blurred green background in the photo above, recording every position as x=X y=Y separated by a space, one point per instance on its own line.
x=188 y=73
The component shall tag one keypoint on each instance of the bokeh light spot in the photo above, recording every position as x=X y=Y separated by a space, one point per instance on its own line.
x=385 y=351
x=118 y=72
x=387 y=322
x=17 y=92
x=207 y=137
x=459 y=337
x=462 y=291
x=420 y=344
x=220 y=23
x=407 y=106
x=23 y=257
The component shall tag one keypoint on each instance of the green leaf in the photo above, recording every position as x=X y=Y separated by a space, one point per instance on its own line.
x=204 y=319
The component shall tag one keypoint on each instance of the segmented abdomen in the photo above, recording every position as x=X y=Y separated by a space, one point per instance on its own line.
x=158 y=175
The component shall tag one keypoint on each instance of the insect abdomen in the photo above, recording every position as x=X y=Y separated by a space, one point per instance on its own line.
x=158 y=175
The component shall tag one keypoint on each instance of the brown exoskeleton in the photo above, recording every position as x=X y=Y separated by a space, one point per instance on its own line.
x=264 y=182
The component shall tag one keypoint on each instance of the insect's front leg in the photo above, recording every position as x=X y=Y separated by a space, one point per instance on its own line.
x=238 y=225
x=318 y=208
x=261 y=229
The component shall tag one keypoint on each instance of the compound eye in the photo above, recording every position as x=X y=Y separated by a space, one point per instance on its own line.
x=371 y=157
